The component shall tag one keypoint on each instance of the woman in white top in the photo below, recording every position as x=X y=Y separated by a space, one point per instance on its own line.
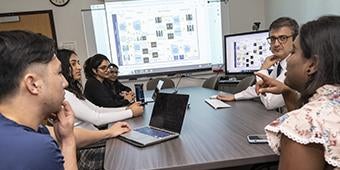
x=87 y=114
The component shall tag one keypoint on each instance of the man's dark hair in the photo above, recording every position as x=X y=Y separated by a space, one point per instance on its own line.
x=285 y=22
x=93 y=63
x=18 y=50
x=74 y=86
x=321 y=39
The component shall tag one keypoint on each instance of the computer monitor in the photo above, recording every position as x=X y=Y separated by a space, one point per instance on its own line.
x=245 y=52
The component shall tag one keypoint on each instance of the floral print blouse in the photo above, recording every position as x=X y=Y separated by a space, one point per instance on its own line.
x=318 y=121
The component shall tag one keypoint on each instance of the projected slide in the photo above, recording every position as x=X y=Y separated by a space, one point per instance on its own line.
x=153 y=37
x=161 y=36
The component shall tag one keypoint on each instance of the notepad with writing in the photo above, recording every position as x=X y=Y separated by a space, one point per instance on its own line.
x=217 y=104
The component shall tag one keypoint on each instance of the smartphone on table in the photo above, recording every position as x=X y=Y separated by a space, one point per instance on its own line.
x=257 y=138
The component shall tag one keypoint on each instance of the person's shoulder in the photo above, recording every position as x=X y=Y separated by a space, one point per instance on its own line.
x=30 y=149
x=92 y=83
x=25 y=136
x=319 y=113
x=69 y=95
x=325 y=100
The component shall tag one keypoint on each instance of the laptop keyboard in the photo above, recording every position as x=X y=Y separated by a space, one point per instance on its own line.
x=153 y=132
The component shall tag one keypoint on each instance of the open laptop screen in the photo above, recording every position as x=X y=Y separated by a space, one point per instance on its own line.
x=168 y=112
x=157 y=89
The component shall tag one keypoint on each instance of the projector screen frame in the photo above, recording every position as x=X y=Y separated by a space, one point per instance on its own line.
x=167 y=69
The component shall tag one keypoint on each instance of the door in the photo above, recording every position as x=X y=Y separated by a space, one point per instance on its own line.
x=35 y=21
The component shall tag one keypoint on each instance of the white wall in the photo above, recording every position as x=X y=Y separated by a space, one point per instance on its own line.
x=68 y=22
x=301 y=10
x=69 y=28
x=243 y=13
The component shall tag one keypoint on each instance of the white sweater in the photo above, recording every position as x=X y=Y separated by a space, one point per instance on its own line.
x=87 y=114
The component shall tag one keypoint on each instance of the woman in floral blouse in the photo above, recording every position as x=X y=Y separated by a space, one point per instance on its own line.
x=308 y=137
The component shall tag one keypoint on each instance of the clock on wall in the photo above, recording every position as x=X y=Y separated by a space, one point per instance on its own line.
x=59 y=3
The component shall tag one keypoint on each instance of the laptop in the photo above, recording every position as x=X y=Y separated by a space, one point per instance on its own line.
x=155 y=92
x=166 y=121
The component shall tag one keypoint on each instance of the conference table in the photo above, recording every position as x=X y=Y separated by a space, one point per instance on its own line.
x=209 y=138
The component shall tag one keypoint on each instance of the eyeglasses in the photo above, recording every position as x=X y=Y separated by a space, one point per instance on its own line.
x=104 y=68
x=282 y=39
x=115 y=72
x=113 y=69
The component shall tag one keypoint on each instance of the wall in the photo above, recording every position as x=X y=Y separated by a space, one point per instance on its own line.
x=68 y=22
x=301 y=10
x=243 y=13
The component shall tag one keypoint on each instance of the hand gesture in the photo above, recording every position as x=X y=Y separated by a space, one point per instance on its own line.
x=226 y=97
x=269 y=85
x=130 y=96
x=118 y=129
x=269 y=61
x=64 y=123
x=131 y=93
x=137 y=109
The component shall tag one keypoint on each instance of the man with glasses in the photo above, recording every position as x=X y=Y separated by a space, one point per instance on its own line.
x=282 y=33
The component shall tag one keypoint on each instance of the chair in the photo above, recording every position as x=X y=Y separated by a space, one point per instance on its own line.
x=152 y=83
x=245 y=83
x=91 y=156
x=211 y=82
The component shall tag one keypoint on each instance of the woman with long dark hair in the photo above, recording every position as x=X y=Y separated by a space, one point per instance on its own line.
x=308 y=137
x=86 y=113
x=96 y=69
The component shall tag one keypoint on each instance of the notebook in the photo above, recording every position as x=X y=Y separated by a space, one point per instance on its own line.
x=166 y=121
x=216 y=104
x=155 y=92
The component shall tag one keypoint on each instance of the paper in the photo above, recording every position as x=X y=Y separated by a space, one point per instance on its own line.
x=217 y=104
x=213 y=97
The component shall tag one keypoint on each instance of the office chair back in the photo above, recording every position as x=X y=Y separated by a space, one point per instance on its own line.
x=211 y=82
x=152 y=83
x=245 y=83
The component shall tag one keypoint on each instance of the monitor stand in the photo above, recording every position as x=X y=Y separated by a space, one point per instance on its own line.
x=233 y=78
x=228 y=80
